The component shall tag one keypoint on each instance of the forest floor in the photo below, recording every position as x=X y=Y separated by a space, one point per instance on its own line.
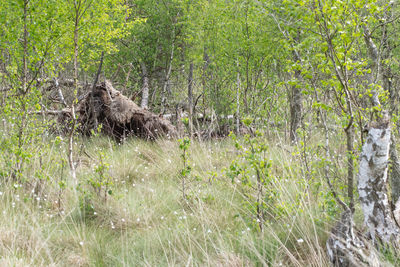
x=141 y=218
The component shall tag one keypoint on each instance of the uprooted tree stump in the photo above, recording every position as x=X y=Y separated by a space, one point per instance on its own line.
x=119 y=116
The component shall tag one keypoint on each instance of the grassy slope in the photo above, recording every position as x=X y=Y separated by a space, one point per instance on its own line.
x=146 y=222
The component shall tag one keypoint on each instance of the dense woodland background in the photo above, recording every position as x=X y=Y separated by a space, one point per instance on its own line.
x=272 y=102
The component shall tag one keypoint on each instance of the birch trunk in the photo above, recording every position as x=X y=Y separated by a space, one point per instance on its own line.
x=190 y=98
x=372 y=186
x=145 y=87
x=382 y=73
x=375 y=74
x=77 y=7
x=206 y=60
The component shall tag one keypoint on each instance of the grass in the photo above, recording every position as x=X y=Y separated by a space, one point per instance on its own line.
x=145 y=221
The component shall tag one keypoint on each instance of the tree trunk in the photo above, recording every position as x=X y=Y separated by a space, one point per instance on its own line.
x=375 y=74
x=383 y=73
x=206 y=61
x=190 y=98
x=295 y=97
x=372 y=186
x=21 y=96
x=350 y=164
x=237 y=99
x=296 y=105
x=394 y=180
x=25 y=44
x=77 y=5
x=145 y=87
x=167 y=75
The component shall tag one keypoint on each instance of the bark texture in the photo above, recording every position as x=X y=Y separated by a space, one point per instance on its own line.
x=372 y=186
x=346 y=248
x=145 y=87
x=395 y=181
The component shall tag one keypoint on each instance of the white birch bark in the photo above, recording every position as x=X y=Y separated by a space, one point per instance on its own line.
x=372 y=186
x=346 y=248
x=145 y=87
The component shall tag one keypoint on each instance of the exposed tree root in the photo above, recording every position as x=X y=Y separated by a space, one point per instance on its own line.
x=119 y=116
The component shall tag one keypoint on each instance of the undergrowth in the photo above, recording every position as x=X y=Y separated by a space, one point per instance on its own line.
x=128 y=209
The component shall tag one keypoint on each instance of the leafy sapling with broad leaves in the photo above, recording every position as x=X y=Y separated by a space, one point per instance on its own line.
x=251 y=170
x=184 y=145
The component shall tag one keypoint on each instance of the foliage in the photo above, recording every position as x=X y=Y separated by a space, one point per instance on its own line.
x=253 y=59
x=252 y=169
x=184 y=145
x=102 y=184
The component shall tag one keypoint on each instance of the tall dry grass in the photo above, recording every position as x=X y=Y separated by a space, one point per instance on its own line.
x=145 y=221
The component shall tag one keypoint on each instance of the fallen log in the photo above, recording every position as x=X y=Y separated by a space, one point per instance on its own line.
x=119 y=116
